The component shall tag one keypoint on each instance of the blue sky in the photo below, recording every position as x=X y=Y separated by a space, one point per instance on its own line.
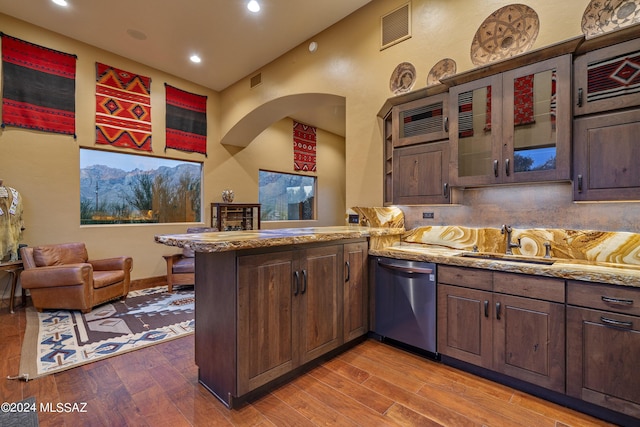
x=124 y=161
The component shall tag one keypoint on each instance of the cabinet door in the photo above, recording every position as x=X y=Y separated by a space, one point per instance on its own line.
x=356 y=290
x=464 y=324
x=537 y=122
x=603 y=355
x=529 y=340
x=475 y=132
x=319 y=310
x=606 y=157
x=420 y=174
x=607 y=79
x=423 y=120
x=266 y=329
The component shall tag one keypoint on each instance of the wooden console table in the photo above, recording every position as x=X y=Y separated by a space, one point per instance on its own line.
x=13 y=268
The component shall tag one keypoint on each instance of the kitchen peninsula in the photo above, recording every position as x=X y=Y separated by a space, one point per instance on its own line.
x=271 y=303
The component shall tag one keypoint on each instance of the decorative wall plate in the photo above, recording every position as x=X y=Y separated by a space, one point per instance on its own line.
x=444 y=68
x=508 y=31
x=403 y=78
x=603 y=16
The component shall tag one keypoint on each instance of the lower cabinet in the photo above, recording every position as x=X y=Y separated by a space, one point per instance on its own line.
x=290 y=311
x=356 y=291
x=264 y=313
x=603 y=345
x=508 y=323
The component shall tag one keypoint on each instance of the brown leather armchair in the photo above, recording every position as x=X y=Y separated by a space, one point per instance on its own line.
x=181 y=267
x=61 y=276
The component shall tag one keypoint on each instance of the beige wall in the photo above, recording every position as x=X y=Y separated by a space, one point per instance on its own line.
x=44 y=167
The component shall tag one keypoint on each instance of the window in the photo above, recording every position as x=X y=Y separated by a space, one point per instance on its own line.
x=286 y=197
x=122 y=188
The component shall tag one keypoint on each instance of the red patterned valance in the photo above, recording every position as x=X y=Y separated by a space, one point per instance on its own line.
x=304 y=147
x=38 y=87
x=123 y=108
x=186 y=120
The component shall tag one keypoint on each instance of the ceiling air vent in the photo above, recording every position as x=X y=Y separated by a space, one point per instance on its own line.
x=396 y=26
x=256 y=80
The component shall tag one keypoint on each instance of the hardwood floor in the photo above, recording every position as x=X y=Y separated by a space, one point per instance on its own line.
x=370 y=385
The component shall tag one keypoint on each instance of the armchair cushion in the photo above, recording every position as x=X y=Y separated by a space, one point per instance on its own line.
x=68 y=253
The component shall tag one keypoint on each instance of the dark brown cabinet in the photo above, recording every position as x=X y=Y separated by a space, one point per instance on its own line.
x=606 y=153
x=514 y=126
x=607 y=79
x=603 y=345
x=356 y=291
x=290 y=311
x=416 y=150
x=607 y=124
x=508 y=323
x=274 y=310
x=420 y=174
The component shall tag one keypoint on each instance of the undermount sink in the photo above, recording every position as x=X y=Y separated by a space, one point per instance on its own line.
x=511 y=258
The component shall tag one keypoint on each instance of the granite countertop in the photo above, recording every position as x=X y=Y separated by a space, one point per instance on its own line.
x=250 y=239
x=602 y=272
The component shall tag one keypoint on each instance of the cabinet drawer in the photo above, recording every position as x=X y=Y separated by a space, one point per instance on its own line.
x=529 y=286
x=619 y=299
x=468 y=277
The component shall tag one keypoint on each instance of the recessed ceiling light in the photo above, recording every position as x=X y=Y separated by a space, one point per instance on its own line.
x=195 y=58
x=253 y=6
x=60 y=2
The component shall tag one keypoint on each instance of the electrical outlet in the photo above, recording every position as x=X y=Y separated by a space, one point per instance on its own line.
x=354 y=219
x=427 y=215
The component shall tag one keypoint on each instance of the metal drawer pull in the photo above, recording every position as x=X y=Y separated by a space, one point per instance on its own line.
x=296 y=276
x=348 y=266
x=580 y=96
x=304 y=281
x=617 y=300
x=498 y=305
x=506 y=166
x=486 y=308
x=410 y=270
x=616 y=322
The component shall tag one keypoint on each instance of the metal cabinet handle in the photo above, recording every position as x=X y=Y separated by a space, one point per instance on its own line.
x=506 y=166
x=498 y=306
x=616 y=322
x=304 y=281
x=446 y=123
x=617 y=300
x=445 y=189
x=495 y=168
x=579 y=103
x=348 y=266
x=486 y=308
x=579 y=183
x=296 y=283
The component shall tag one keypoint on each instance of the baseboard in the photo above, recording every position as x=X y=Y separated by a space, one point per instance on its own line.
x=147 y=282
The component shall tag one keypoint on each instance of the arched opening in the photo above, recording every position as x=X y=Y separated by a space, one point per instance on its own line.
x=324 y=111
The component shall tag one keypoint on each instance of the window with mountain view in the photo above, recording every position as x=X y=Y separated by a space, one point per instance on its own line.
x=286 y=197
x=122 y=188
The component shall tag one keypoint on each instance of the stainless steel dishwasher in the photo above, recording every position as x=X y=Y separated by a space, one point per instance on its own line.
x=405 y=304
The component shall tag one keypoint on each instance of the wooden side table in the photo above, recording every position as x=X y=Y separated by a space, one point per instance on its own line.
x=14 y=268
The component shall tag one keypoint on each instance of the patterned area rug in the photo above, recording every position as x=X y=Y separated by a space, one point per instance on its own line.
x=58 y=340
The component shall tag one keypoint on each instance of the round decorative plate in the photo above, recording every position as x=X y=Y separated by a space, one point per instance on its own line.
x=443 y=68
x=603 y=16
x=508 y=31
x=403 y=78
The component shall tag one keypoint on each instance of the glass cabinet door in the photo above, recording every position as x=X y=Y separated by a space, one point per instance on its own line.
x=475 y=131
x=537 y=121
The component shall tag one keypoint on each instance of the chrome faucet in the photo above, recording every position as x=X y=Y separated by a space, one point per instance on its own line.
x=507 y=229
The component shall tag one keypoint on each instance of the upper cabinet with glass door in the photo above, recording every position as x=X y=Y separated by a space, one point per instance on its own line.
x=514 y=126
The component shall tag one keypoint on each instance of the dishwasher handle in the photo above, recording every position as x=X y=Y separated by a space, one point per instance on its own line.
x=416 y=270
